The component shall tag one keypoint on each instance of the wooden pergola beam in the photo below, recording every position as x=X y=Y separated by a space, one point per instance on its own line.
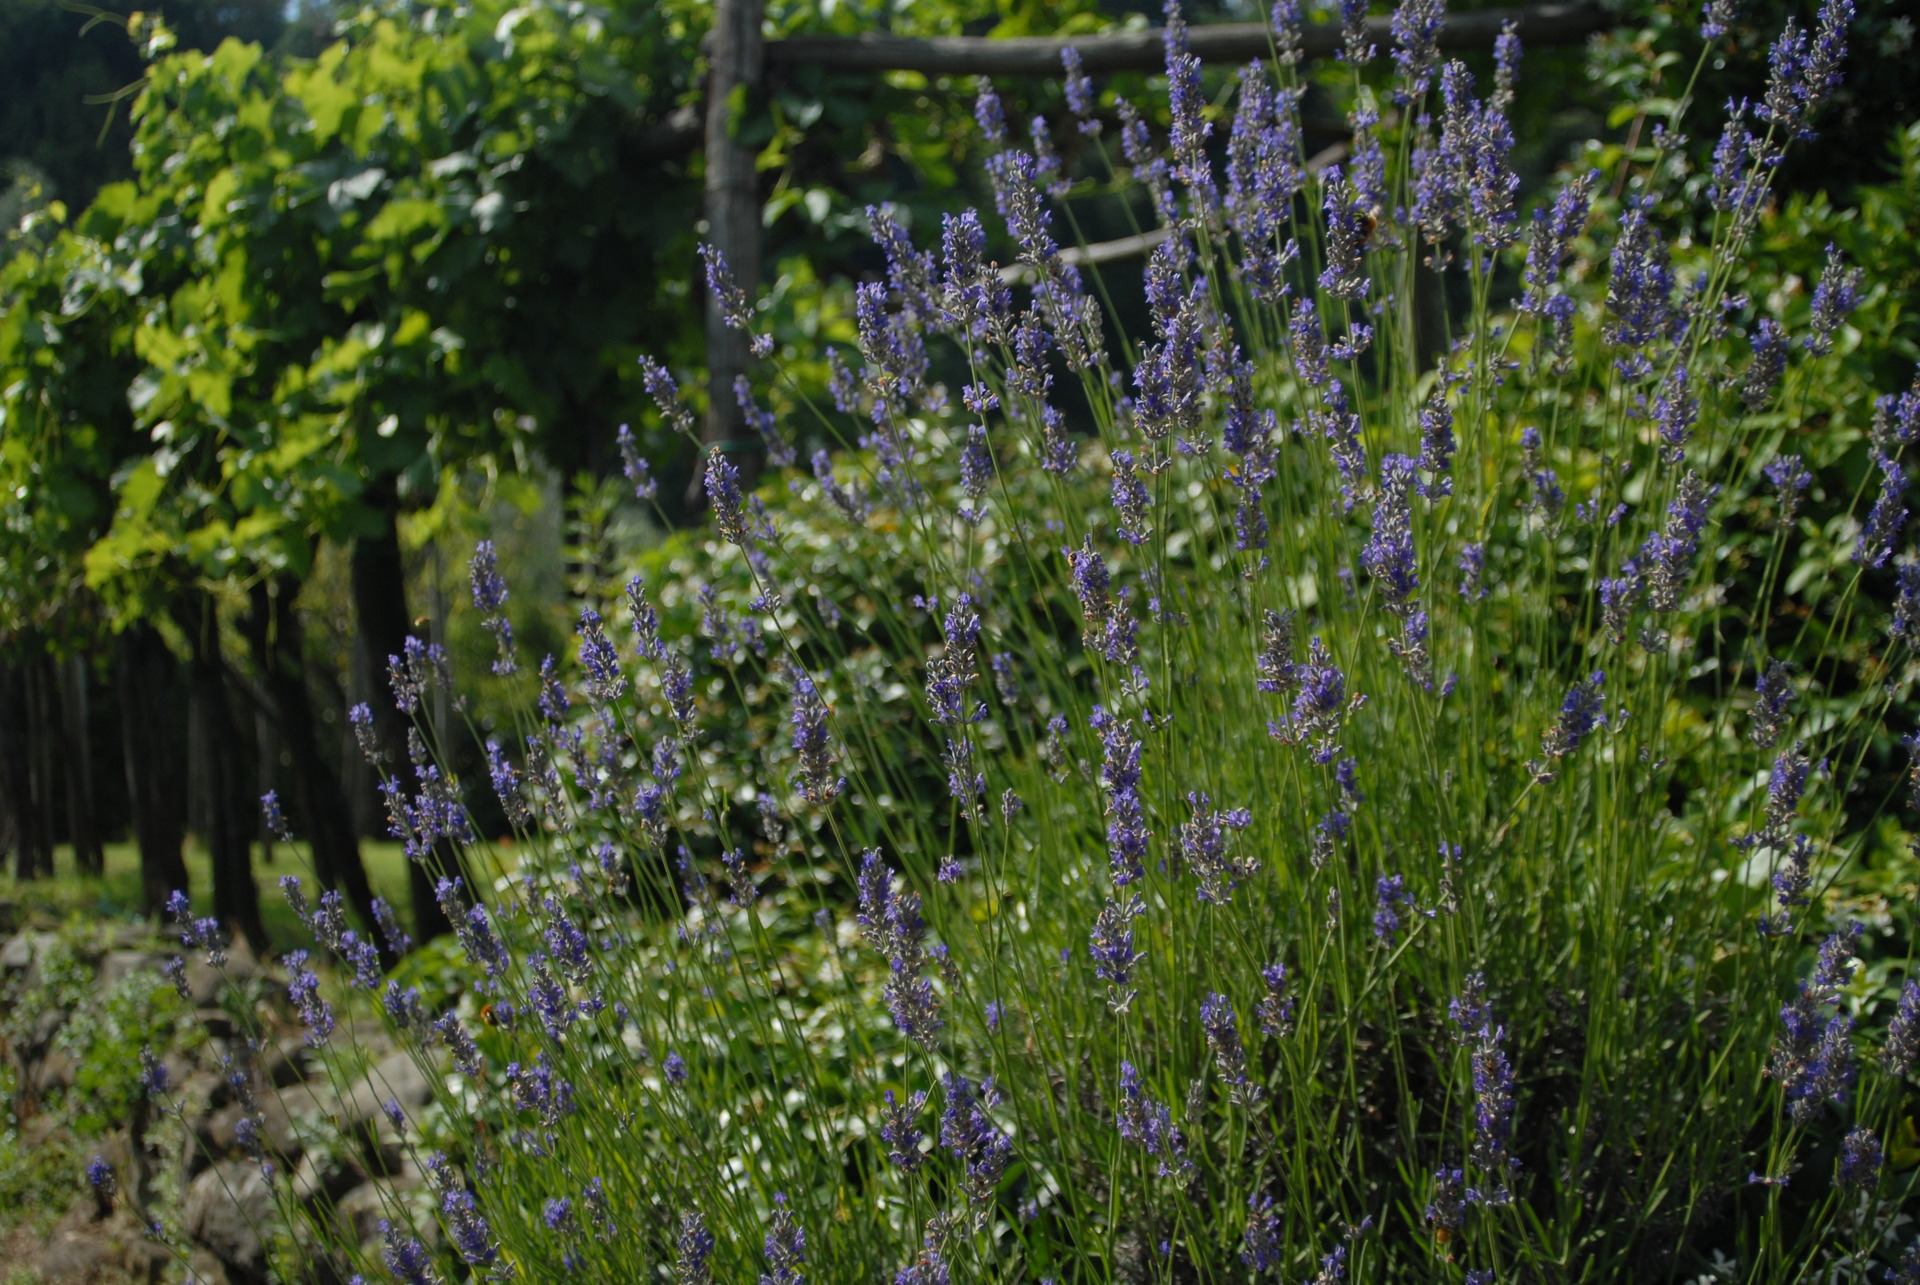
x=1538 y=25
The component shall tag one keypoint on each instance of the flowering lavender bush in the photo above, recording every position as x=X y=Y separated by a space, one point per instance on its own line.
x=1332 y=871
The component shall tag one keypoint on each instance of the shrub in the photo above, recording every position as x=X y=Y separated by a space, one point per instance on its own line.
x=1358 y=803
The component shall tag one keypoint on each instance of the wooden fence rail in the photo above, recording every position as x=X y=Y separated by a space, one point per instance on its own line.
x=1538 y=25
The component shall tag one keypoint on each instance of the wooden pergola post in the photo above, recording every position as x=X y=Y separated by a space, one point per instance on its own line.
x=733 y=218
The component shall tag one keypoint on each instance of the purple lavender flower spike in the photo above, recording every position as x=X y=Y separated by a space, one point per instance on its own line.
x=1416 y=28
x=969 y=1132
x=1639 y=290
x=780 y=452
x=692 y=1251
x=489 y=586
x=1493 y=1105
x=1905 y=623
x=815 y=777
x=1285 y=22
x=1222 y=1030
x=1903 y=1033
x=1884 y=521
x=732 y=301
x=1111 y=947
x=1276 y=1004
x=1356 y=47
x=1390 y=899
x=467 y=1228
x=1581 y=712
x=1773 y=698
x=303 y=992
x=900 y=1130
x=892 y=924
x=1669 y=554
x=1835 y=295
x=1804 y=72
x=786 y=1246
x=1860 y=1159
x=599 y=659
x=990 y=115
x=1812 y=1058
x=1149 y=1123
x=1789 y=477
x=406 y=1257
x=1388 y=555
x=1447 y=1211
x=646 y=487
x=1763 y=372
x=1552 y=236
x=1079 y=90
x=1263 y=1243
x=1127 y=832
x=1203 y=842
x=1345 y=274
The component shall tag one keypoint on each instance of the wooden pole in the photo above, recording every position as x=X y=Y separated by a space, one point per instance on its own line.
x=733 y=220
x=83 y=822
x=1538 y=25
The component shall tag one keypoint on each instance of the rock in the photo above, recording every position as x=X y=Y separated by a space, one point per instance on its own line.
x=118 y=965
x=23 y=948
x=360 y=1211
x=45 y=1027
x=289 y=1123
x=36 y=1132
x=394 y=1079
x=324 y=1179
x=53 y=1071
x=226 y=1212
x=88 y=1249
x=218 y=1021
x=137 y=935
x=205 y=1269
x=195 y=1088
x=80 y=1248
x=204 y=984
x=286 y=1063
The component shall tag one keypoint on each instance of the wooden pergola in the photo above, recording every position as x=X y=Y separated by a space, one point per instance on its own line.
x=739 y=55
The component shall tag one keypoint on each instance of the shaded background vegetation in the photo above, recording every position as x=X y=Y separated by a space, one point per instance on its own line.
x=325 y=293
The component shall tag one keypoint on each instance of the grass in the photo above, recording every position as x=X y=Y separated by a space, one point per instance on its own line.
x=115 y=893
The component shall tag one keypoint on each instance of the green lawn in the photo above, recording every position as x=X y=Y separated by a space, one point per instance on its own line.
x=116 y=894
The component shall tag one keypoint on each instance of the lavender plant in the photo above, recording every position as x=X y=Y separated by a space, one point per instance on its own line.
x=1232 y=837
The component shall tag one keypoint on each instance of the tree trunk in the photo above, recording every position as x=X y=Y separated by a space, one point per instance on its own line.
x=733 y=228
x=319 y=803
x=41 y=734
x=228 y=805
x=82 y=806
x=149 y=678
x=380 y=603
x=20 y=819
x=266 y=757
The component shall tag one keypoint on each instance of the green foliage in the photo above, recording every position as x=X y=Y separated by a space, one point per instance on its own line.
x=60 y=63
x=37 y=1182
x=59 y=982
x=331 y=278
x=104 y=1035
